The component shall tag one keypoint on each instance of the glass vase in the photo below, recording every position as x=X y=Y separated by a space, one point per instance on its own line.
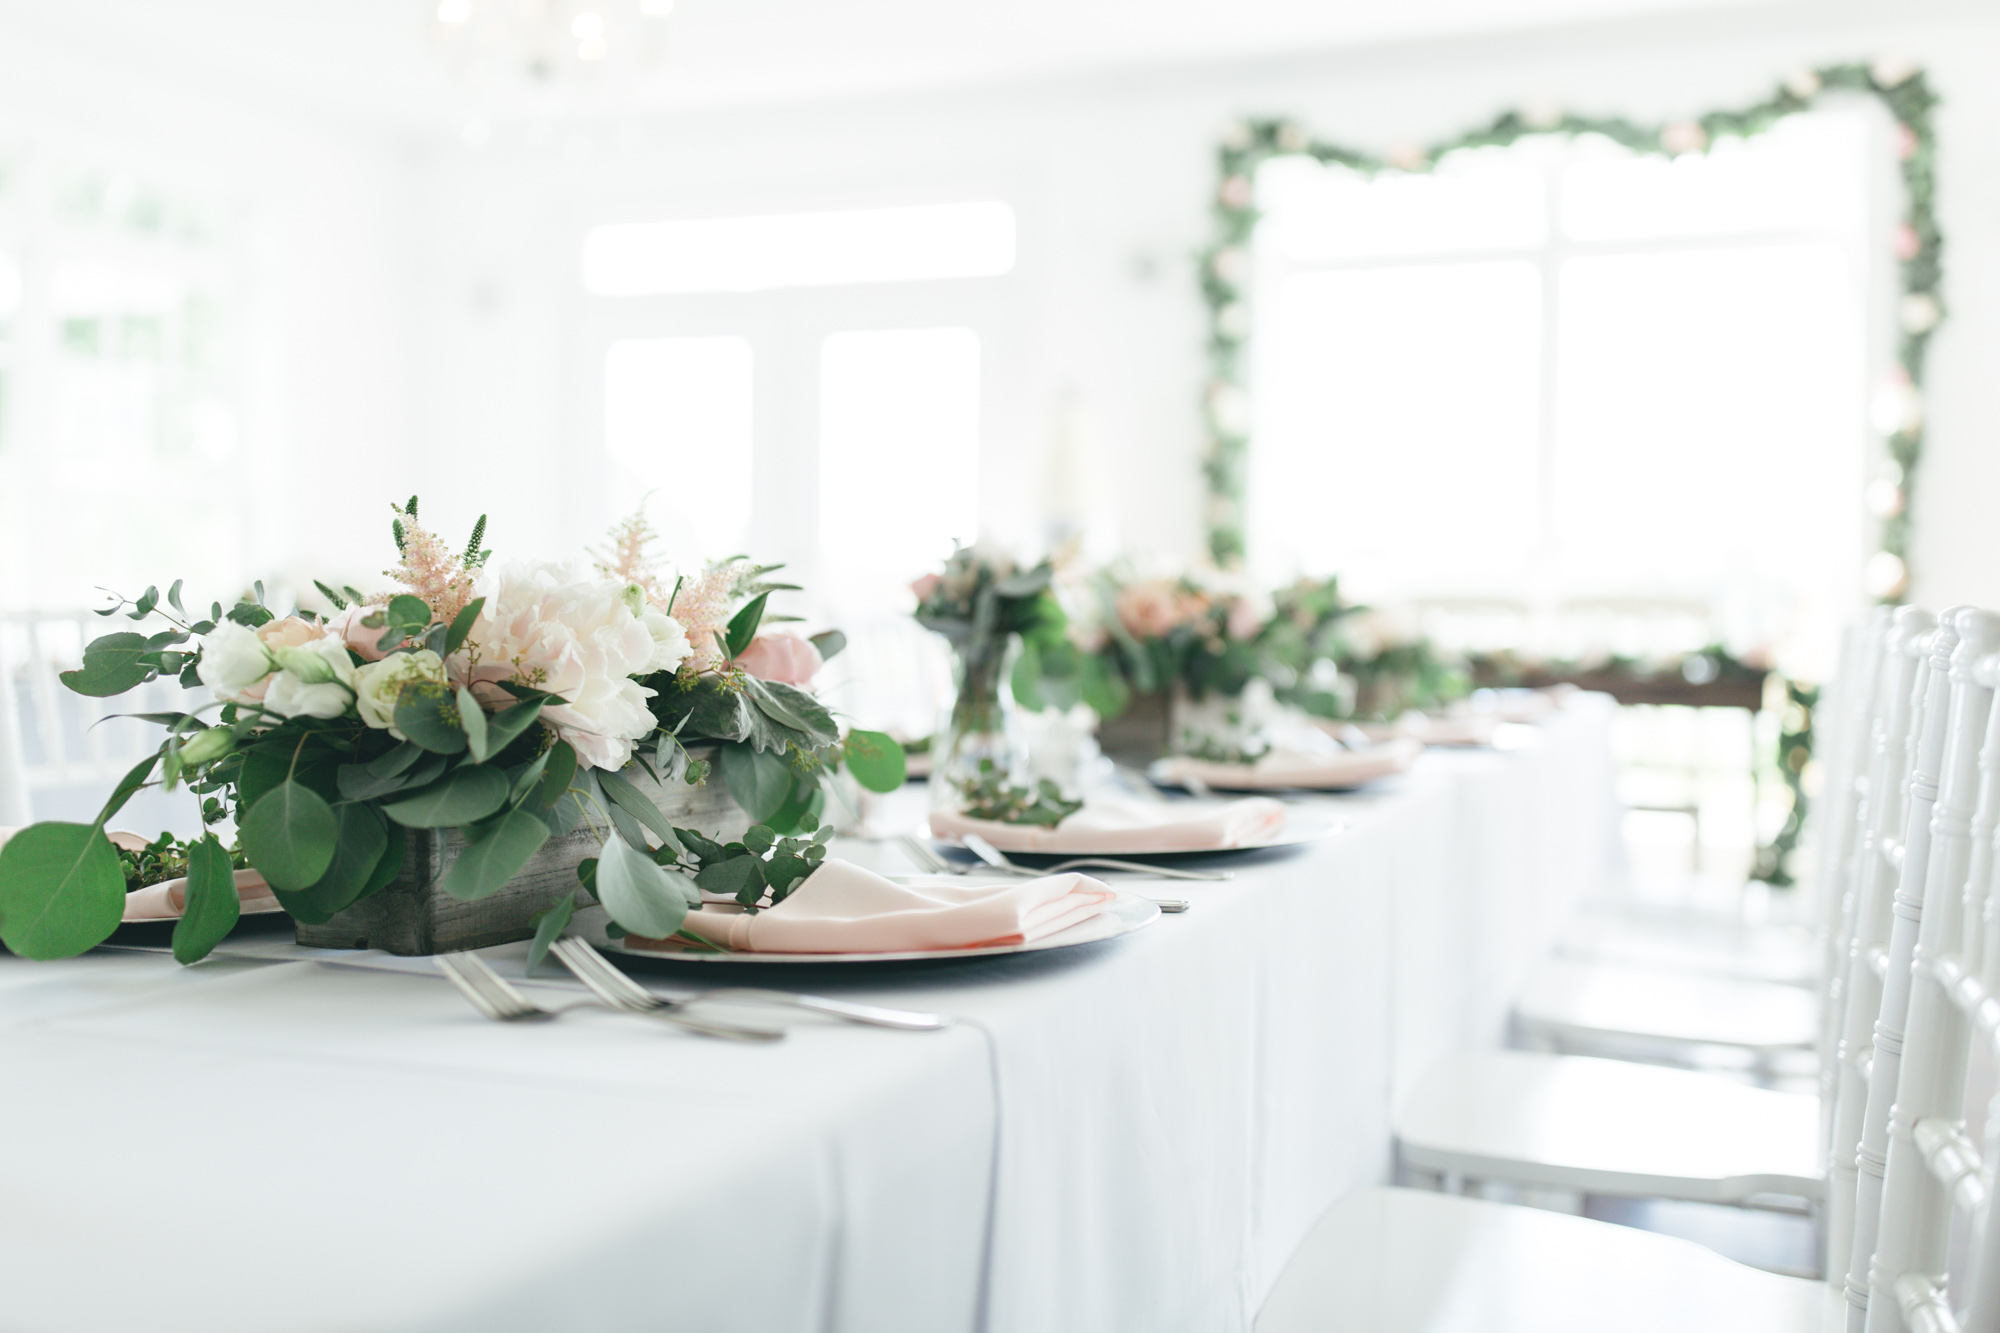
x=979 y=739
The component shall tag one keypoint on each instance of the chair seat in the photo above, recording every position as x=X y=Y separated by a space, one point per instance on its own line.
x=1686 y=942
x=1409 y=1261
x=1573 y=1004
x=1610 y=1127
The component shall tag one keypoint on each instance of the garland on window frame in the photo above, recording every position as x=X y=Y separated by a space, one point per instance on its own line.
x=1897 y=409
x=1898 y=406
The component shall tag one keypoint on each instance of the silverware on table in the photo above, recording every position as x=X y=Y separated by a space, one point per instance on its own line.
x=925 y=859
x=609 y=984
x=999 y=860
x=492 y=996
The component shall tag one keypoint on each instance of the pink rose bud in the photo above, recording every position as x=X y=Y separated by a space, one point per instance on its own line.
x=926 y=587
x=785 y=658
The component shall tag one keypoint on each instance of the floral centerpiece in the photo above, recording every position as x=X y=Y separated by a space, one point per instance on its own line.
x=983 y=605
x=500 y=703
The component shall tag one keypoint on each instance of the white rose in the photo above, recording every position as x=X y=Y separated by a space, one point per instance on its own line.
x=378 y=686
x=316 y=680
x=670 y=642
x=233 y=659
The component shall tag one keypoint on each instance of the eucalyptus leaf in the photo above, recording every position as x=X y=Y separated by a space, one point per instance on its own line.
x=389 y=764
x=876 y=761
x=550 y=923
x=461 y=626
x=212 y=908
x=628 y=828
x=637 y=893
x=289 y=835
x=428 y=714
x=740 y=877
x=468 y=793
x=494 y=854
x=528 y=778
x=633 y=801
x=113 y=664
x=562 y=772
x=504 y=727
x=62 y=890
x=793 y=708
x=362 y=839
x=134 y=779
x=472 y=719
x=760 y=781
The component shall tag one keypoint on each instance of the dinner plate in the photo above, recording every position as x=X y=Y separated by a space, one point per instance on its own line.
x=1128 y=912
x=1301 y=827
x=1342 y=772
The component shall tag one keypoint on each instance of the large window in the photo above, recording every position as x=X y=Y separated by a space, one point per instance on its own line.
x=1555 y=378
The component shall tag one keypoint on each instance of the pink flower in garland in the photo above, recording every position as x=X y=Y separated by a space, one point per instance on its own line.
x=429 y=570
x=702 y=608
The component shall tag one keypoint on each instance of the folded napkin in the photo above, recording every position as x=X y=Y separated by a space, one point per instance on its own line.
x=1115 y=825
x=167 y=900
x=842 y=908
x=1284 y=767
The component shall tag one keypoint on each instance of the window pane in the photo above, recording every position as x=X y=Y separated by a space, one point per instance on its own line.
x=1480 y=200
x=752 y=254
x=899 y=458
x=677 y=419
x=1709 y=437
x=1806 y=172
x=1396 y=427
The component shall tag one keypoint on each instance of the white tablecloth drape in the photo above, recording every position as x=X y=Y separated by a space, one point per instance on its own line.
x=1127 y=1135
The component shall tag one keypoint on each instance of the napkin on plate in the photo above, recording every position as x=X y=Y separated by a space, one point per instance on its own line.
x=1114 y=826
x=842 y=908
x=1284 y=767
x=166 y=901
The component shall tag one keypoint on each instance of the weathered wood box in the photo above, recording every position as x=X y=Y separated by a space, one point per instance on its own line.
x=414 y=916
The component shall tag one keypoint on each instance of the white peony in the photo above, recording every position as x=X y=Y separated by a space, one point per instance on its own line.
x=315 y=679
x=233 y=659
x=547 y=627
x=378 y=686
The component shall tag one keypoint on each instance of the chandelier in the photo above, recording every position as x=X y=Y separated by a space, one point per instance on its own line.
x=549 y=55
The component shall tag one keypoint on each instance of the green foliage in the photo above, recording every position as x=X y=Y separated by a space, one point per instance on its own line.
x=743 y=626
x=162 y=859
x=290 y=835
x=467 y=794
x=761 y=781
x=62 y=890
x=762 y=865
x=550 y=923
x=637 y=892
x=876 y=761
x=495 y=852
x=361 y=839
x=212 y=908
x=427 y=712
x=989 y=795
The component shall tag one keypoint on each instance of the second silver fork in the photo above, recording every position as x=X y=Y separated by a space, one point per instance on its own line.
x=492 y=995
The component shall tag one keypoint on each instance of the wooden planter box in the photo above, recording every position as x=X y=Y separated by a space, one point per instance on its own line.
x=414 y=916
x=1142 y=733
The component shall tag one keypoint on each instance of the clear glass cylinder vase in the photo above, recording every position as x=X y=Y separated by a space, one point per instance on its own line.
x=978 y=739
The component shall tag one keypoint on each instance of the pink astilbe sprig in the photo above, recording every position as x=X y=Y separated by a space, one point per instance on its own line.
x=428 y=569
x=702 y=608
x=629 y=557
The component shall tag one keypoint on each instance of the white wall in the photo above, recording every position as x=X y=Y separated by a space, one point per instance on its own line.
x=1111 y=177
x=326 y=217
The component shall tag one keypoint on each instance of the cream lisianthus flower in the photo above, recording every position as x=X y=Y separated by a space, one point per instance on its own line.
x=233 y=660
x=670 y=641
x=315 y=679
x=545 y=626
x=378 y=686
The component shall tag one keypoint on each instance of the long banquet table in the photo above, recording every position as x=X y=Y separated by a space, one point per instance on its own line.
x=1129 y=1135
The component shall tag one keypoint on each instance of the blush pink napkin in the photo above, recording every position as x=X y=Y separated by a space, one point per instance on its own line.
x=166 y=901
x=1114 y=826
x=1295 y=768
x=843 y=908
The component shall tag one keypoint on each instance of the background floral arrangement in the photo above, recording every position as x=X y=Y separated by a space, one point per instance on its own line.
x=501 y=703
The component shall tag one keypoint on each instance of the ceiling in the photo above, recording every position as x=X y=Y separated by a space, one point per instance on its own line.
x=369 y=60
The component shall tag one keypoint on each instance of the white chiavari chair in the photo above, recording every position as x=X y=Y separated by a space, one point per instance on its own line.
x=1599 y=1126
x=1939 y=999
x=1900 y=686
x=1936 y=824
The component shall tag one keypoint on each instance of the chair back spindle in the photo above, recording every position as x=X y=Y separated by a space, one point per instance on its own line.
x=1899 y=687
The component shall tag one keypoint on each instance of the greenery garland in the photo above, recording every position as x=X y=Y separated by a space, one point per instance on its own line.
x=1225 y=267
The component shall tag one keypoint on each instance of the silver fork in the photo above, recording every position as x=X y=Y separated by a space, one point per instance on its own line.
x=925 y=859
x=492 y=996
x=612 y=986
x=999 y=860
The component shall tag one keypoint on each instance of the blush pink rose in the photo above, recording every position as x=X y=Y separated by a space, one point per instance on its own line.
x=348 y=628
x=926 y=587
x=785 y=658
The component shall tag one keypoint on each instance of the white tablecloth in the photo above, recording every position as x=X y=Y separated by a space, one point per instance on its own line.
x=1127 y=1135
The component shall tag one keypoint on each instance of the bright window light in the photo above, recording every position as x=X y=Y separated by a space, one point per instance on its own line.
x=677 y=420
x=899 y=457
x=753 y=254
